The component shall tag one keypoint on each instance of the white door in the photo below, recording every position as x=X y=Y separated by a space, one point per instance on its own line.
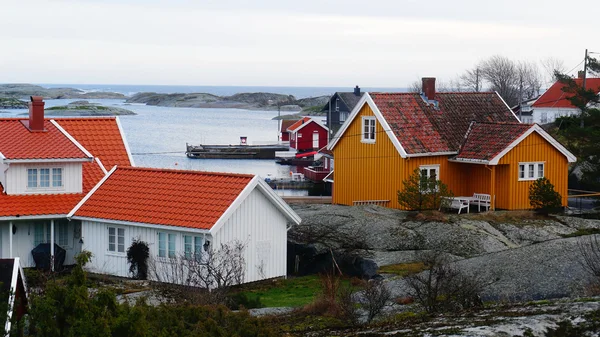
x=316 y=140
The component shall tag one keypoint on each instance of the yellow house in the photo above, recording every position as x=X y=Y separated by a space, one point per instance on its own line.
x=472 y=142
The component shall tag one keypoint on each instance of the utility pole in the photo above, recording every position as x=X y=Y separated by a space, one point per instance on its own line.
x=279 y=121
x=520 y=96
x=477 y=79
x=581 y=124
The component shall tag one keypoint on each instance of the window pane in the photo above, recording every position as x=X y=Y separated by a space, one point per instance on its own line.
x=521 y=171
x=540 y=170
x=531 y=170
x=121 y=240
x=162 y=245
x=432 y=174
x=39 y=236
x=171 y=245
x=111 y=239
x=56 y=177
x=32 y=178
x=197 y=246
x=63 y=238
x=44 y=177
x=187 y=246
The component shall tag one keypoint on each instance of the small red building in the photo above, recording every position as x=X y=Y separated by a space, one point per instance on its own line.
x=285 y=124
x=308 y=134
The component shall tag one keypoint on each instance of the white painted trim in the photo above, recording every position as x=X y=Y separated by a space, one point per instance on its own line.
x=50 y=160
x=101 y=165
x=430 y=154
x=2 y=157
x=506 y=105
x=124 y=139
x=535 y=170
x=469 y=161
x=570 y=157
x=308 y=122
x=140 y=224
x=366 y=98
x=33 y=217
x=87 y=196
x=73 y=140
x=12 y=294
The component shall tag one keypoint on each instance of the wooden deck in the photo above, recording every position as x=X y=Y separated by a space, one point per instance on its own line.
x=307 y=200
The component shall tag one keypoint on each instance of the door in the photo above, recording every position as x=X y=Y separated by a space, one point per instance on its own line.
x=316 y=140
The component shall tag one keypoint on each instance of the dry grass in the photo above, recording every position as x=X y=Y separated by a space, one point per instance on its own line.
x=429 y=216
x=513 y=217
x=403 y=269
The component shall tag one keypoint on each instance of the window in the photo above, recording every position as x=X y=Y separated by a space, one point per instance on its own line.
x=44 y=178
x=39 y=234
x=368 y=134
x=429 y=176
x=343 y=116
x=531 y=171
x=116 y=239
x=42 y=231
x=63 y=236
x=166 y=245
x=192 y=246
x=544 y=118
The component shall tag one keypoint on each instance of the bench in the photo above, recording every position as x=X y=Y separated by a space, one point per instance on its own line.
x=481 y=199
x=457 y=203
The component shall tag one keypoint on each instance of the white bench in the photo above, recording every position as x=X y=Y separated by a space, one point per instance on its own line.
x=458 y=203
x=481 y=199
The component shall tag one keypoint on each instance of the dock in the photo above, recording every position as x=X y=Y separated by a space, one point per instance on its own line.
x=307 y=200
x=234 y=151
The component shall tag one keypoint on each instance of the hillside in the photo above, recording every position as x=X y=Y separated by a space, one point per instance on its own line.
x=23 y=91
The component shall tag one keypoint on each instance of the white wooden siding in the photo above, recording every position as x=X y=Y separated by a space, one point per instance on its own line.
x=552 y=114
x=24 y=239
x=263 y=229
x=16 y=178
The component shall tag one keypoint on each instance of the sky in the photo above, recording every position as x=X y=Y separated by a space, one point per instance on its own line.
x=375 y=43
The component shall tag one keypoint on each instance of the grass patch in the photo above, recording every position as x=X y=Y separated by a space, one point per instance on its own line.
x=512 y=217
x=582 y=232
x=292 y=292
x=403 y=269
x=428 y=216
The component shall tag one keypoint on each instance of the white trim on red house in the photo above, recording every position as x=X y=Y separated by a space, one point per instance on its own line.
x=366 y=98
x=570 y=157
x=268 y=192
x=306 y=123
x=73 y=140
x=87 y=196
x=131 y=162
x=511 y=111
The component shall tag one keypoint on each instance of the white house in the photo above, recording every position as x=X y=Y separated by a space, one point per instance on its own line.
x=555 y=103
x=56 y=189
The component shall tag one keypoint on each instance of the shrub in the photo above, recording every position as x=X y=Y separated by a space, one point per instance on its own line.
x=137 y=257
x=420 y=192
x=375 y=298
x=543 y=198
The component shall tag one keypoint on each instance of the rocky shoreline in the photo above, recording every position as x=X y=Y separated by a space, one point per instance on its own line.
x=23 y=91
x=85 y=108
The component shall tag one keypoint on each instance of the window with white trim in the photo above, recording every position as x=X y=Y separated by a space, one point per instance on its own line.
x=42 y=231
x=166 y=245
x=368 y=129
x=44 y=178
x=430 y=174
x=531 y=171
x=192 y=247
x=116 y=239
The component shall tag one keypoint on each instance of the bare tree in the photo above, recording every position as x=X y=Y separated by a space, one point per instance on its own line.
x=529 y=79
x=589 y=248
x=415 y=86
x=499 y=72
x=472 y=80
x=552 y=65
x=375 y=298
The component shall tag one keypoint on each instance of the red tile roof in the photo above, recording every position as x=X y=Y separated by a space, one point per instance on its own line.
x=298 y=124
x=165 y=197
x=554 y=97
x=17 y=142
x=100 y=136
x=424 y=128
x=286 y=123
x=486 y=140
x=38 y=204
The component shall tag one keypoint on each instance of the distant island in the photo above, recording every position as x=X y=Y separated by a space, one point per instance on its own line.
x=85 y=108
x=251 y=101
x=23 y=91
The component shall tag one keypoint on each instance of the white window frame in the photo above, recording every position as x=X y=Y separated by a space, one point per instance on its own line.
x=116 y=243
x=170 y=242
x=428 y=168
x=368 y=136
x=195 y=247
x=527 y=169
x=51 y=180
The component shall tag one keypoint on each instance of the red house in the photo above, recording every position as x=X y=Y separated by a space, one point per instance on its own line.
x=285 y=124
x=308 y=134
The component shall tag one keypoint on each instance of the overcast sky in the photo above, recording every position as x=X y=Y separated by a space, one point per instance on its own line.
x=375 y=43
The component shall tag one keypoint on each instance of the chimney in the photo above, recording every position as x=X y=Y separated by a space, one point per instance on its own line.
x=36 y=114
x=429 y=88
x=357 y=91
x=581 y=74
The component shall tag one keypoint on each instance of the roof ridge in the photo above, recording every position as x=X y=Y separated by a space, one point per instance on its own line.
x=155 y=169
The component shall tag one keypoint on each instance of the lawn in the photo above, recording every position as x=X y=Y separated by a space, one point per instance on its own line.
x=291 y=292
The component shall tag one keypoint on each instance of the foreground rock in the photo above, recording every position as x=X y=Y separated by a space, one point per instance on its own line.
x=23 y=91
x=251 y=101
x=84 y=108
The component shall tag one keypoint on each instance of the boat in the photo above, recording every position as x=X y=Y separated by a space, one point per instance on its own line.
x=241 y=151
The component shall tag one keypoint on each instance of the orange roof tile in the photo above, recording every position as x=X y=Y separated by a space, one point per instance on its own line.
x=554 y=97
x=37 y=204
x=486 y=140
x=286 y=123
x=100 y=136
x=298 y=123
x=165 y=197
x=17 y=142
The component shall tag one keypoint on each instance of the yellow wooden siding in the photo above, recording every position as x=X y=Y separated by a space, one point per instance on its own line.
x=534 y=148
x=502 y=186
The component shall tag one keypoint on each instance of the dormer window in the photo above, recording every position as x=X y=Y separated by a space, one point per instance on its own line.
x=45 y=178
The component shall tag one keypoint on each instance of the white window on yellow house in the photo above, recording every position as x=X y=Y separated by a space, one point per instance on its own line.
x=430 y=174
x=531 y=171
x=368 y=127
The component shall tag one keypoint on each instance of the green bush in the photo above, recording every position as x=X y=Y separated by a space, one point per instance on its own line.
x=137 y=257
x=543 y=198
x=421 y=193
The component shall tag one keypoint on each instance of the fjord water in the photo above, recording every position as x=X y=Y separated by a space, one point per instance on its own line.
x=157 y=136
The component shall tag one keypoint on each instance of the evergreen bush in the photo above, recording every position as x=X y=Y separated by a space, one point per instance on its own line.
x=543 y=198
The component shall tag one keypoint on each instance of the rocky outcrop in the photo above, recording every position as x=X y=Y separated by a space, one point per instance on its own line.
x=12 y=103
x=23 y=91
x=85 y=108
x=251 y=101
